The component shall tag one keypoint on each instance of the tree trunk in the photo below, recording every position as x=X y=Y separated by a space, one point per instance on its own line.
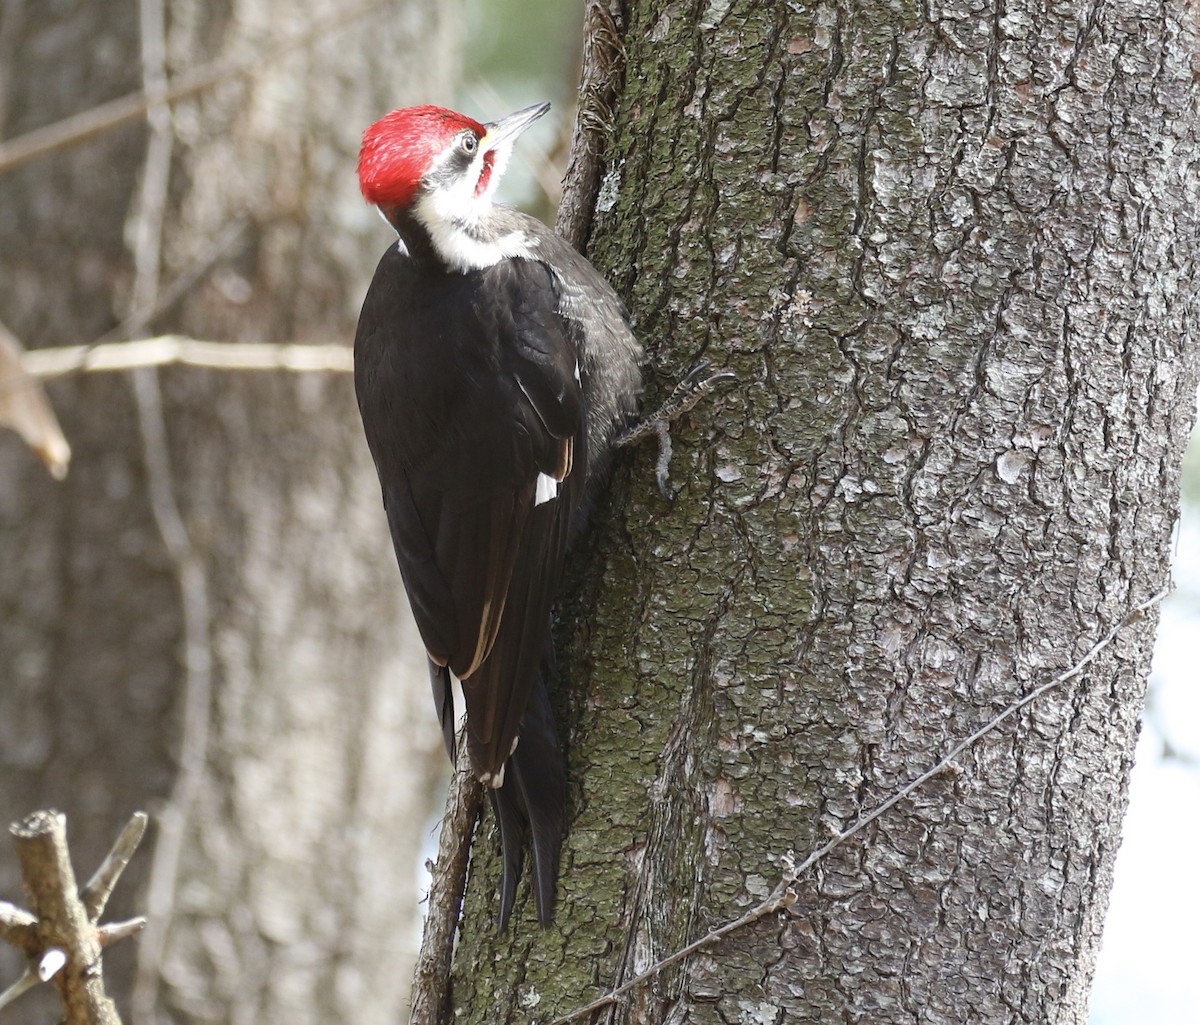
x=948 y=250
x=205 y=620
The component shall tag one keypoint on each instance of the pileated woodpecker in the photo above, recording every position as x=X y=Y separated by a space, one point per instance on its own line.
x=494 y=368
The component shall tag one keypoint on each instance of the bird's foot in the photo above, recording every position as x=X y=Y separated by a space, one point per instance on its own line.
x=683 y=398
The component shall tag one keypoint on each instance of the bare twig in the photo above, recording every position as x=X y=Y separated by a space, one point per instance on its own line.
x=25 y=983
x=62 y=939
x=784 y=894
x=106 y=116
x=197 y=691
x=431 y=977
x=111 y=352
x=63 y=921
x=156 y=168
x=189 y=567
x=25 y=408
x=169 y=349
x=138 y=322
x=100 y=887
x=114 y=932
x=19 y=928
x=599 y=87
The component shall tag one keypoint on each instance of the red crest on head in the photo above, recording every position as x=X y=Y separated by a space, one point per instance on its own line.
x=399 y=148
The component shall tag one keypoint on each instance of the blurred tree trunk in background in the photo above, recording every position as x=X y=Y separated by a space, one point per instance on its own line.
x=205 y=619
x=951 y=255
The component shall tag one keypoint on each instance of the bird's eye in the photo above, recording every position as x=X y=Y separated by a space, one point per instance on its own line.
x=468 y=143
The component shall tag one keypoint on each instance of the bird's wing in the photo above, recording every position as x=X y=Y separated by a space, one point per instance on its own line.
x=536 y=347
x=477 y=477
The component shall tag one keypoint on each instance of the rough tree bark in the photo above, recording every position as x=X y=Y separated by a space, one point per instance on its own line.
x=949 y=250
x=239 y=671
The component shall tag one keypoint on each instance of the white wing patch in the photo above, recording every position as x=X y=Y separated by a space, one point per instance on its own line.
x=545 y=490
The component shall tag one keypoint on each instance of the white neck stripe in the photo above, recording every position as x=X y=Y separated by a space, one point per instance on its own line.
x=457 y=219
x=460 y=249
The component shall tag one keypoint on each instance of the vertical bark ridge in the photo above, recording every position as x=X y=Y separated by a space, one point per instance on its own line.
x=947 y=251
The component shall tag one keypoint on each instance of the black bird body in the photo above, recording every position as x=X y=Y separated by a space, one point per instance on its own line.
x=465 y=410
x=493 y=367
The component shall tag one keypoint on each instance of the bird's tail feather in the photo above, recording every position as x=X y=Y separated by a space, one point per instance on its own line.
x=443 y=700
x=533 y=796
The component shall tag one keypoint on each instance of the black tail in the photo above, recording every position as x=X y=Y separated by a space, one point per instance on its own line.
x=533 y=796
x=443 y=700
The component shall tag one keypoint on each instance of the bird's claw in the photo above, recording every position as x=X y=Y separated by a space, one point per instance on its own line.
x=696 y=384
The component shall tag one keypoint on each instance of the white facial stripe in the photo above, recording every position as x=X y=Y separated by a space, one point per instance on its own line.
x=451 y=212
x=545 y=490
x=450 y=153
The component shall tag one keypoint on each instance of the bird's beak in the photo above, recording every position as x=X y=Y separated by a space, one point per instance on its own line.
x=508 y=128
